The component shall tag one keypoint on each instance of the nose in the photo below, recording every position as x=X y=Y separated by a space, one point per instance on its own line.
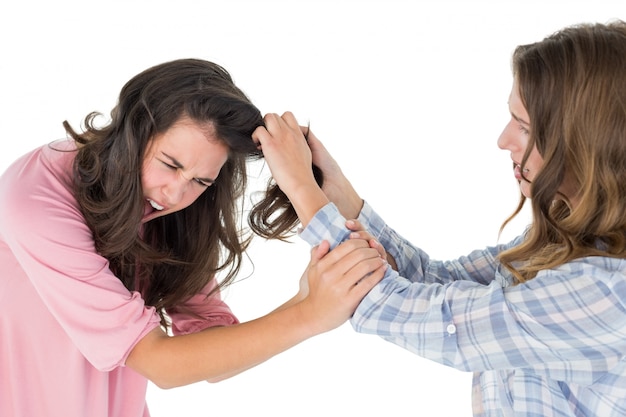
x=175 y=190
x=507 y=137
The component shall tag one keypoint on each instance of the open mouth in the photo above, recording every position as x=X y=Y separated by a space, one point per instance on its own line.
x=519 y=173
x=155 y=205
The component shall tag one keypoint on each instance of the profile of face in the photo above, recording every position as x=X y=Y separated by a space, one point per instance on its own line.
x=179 y=165
x=515 y=138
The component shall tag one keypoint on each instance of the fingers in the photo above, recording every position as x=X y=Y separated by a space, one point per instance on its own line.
x=343 y=250
x=374 y=244
x=350 y=262
x=364 y=285
x=354 y=225
x=306 y=130
x=320 y=250
x=275 y=123
x=359 y=261
x=259 y=136
x=316 y=146
x=363 y=269
x=359 y=232
x=290 y=120
x=279 y=132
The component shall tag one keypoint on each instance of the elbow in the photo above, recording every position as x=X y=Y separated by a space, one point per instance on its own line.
x=148 y=358
x=164 y=378
x=217 y=379
x=168 y=380
x=165 y=383
x=161 y=360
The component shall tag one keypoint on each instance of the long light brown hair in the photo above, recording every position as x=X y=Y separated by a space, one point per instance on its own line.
x=175 y=256
x=573 y=85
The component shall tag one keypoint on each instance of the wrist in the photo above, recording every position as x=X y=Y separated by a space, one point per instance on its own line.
x=347 y=200
x=307 y=200
x=352 y=207
x=311 y=322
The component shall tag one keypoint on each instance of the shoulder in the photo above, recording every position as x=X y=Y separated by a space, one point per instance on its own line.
x=595 y=265
x=38 y=185
x=587 y=275
x=45 y=167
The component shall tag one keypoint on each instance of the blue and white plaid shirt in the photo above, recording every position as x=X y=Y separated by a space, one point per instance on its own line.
x=553 y=346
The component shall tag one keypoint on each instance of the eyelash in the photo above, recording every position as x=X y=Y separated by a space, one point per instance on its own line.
x=523 y=130
x=197 y=181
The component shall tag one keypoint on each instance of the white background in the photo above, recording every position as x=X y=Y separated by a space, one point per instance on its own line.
x=409 y=96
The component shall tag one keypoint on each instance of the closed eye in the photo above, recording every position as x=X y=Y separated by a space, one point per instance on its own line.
x=169 y=165
x=202 y=182
x=199 y=181
x=522 y=124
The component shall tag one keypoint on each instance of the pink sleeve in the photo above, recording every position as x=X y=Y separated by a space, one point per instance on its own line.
x=46 y=232
x=201 y=312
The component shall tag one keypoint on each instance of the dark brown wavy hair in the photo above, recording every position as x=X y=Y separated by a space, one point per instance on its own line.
x=573 y=85
x=173 y=257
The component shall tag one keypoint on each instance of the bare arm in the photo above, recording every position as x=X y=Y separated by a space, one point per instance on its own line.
x=290 y=156
x=336 y=186
x=337 y=281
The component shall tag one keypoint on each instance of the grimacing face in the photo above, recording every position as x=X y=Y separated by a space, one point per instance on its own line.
x=178 y=166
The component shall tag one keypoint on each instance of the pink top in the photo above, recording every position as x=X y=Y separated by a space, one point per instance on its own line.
x=67 y=323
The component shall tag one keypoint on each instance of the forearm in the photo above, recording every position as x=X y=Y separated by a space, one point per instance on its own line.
x=307 y=200
x=344 y=196
x=220 y=352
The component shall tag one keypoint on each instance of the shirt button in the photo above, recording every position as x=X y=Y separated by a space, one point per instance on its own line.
x=451 y=329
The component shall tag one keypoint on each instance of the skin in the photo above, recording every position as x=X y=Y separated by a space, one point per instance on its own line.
x=289 y=156
x=327 y=297
x=178 y=166
x=514 y=138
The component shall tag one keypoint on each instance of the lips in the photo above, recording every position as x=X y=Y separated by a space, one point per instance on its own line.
x=517 y=171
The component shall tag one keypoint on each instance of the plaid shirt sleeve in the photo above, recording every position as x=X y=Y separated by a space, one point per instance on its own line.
x=567 y=324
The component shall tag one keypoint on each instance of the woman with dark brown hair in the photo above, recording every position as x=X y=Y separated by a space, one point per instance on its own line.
x=111 y=242
x=541 y=321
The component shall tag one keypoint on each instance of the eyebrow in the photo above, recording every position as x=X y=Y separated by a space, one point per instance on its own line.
x=519 y=119
x=178 y=165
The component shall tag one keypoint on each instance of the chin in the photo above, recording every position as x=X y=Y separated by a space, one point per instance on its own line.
x=525 y=189
x=151 y=216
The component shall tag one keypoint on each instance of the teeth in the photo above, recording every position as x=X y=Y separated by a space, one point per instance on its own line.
x=518 y=166
x=155 y=205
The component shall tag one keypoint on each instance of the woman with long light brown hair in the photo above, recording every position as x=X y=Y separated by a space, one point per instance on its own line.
x=541 y=321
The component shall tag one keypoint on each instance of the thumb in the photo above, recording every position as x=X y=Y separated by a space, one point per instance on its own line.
x=320 y=250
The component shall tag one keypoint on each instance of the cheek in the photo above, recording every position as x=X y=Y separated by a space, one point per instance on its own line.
x=525 y=189
x=191 y=196
x=535 y=161
x=153 y=176
x=147 y=177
